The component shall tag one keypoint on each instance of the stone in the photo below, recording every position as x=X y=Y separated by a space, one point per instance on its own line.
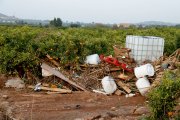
x=5 y=96
x=141 y=110
x=113 y=108
x=15 y=83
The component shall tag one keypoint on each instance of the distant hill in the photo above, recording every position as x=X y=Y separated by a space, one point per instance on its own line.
x=2 y=15
x=5 y=17
x=156 y=23
x=13 y=20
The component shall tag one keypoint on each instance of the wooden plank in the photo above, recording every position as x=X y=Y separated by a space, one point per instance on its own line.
x=115 y=69
x=101 y=92
x=157 y=66
x=60 y=75
x=124 y=86
x=118 y=92
x=52 y=89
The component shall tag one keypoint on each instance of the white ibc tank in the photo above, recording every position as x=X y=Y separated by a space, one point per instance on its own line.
x=145 y=47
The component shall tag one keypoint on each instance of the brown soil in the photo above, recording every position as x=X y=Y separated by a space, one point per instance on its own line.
x=3 y=78
x=78 y=105
x=30 y=105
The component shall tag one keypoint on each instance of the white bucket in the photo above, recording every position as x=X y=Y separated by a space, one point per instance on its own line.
x=93 y=59
x=109 y=85
x=144 y=70
x=143 y=85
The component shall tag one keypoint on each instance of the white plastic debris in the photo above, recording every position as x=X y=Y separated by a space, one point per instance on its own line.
x=130 y=95
x=109 y=85
x=144 y=70
x=143 y=85
x=46 y=73
x=37 y=87
x=15 y=83
x=100 y=91
x=92 y=59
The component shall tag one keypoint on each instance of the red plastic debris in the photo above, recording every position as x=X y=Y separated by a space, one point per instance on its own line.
x=115 y=62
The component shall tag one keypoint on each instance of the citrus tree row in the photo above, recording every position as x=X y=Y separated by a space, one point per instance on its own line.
x=24 y=46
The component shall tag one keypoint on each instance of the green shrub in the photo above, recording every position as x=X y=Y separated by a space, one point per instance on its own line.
x=25 y=46
x=178 y=41
x=16 y=50
x=163 y=98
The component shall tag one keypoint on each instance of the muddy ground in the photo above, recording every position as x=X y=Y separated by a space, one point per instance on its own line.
x=84 y=105
x=29 y=105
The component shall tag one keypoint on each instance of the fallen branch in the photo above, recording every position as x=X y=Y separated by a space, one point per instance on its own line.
x=52 y=60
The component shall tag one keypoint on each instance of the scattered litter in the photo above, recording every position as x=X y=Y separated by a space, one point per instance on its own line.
x=15 y=83
x=51 y=93
x=50 y=89
x=124 y=86
x=114 y=61
x=130 y=95
x=123 y=54
x=72 y=107
x=93 y=59
x=125 y=77
x=37 y=87
x=164 y=65
x=113 y=108
x=5 y=96
x=118 y=92
x=75 y=75
x=100 y=91
x=60 y=75
x=45 y=84
x=109 y=85
x=45 y=73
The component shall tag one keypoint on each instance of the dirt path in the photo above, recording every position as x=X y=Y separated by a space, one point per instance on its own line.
x=76 y=106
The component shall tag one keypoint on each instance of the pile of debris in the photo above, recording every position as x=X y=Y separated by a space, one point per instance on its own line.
x=105 y=74
x=165 y=63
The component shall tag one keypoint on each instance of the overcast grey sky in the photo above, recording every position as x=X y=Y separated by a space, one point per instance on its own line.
x=105 y=11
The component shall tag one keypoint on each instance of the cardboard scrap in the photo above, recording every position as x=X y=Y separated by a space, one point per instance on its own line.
x=118 y=92
x=60 y=75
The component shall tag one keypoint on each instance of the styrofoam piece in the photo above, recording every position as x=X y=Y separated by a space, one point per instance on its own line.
x=144 y=70
x=109 y=85
x=143 y=85
x=93 y=59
